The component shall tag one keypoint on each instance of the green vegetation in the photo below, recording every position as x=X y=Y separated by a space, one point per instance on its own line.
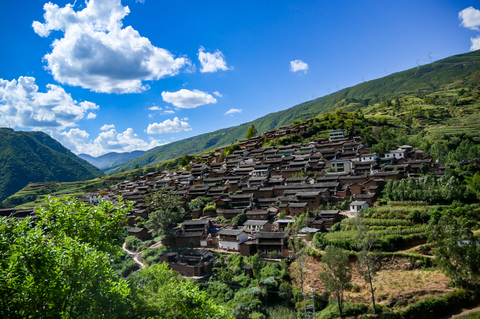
x=36 y=157
x=166 y=214
x=251 y=132
x=336 y=274
x=67 y=263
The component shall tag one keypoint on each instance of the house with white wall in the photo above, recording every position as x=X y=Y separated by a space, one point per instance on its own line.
x=230 y=239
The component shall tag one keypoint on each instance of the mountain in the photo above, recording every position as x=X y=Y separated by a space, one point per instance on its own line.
x=110 y=160
x=455 y=71
x=27 y=157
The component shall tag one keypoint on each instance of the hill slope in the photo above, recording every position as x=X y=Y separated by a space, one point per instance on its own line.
x=27 y=157
x=455 y=71
x=110 y=160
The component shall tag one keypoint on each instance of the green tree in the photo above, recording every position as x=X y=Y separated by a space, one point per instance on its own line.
x=51 y=269
x=298 y=247
x=137 y=166
x=251 y=131
x=240 y=219
x=336 y=273
x=167 y=213
x=257 y=265
x=159 y=292
x=365 y=242
x=457 y=251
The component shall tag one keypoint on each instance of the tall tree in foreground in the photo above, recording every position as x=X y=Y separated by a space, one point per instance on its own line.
x=457 y=250
x=166 y=215
x=367 y=257
x=336 y=273
x=297 y=246
x=59 y=264
x=251 y=131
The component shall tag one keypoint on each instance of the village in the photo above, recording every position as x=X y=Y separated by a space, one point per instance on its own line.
x=271 y=187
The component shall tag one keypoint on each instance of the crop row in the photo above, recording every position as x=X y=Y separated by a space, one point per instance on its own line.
x=377 y=222
x=380 y=233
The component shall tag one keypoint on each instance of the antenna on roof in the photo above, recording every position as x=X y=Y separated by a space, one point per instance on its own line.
x=430 y=56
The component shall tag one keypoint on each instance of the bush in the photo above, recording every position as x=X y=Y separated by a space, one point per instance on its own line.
x=133 y=243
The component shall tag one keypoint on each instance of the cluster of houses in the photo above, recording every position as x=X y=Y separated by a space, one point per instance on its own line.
x=271 y=186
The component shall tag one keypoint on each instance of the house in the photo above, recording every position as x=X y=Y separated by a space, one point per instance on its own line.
x=368 y=157
x=269 y=242
x=256 y=226
x=190 y=262
x=336 y=134
x=230 y=239
x=357 y=206
x=140 y=233
x=283 y=224
x=258 y=214
x=330 y=217
x=340 y=166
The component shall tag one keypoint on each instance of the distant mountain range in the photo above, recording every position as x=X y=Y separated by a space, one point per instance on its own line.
x=110 y=160
x=27 y=157
x=458 y=70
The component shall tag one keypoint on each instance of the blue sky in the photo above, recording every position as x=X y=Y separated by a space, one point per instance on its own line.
x=110 y=75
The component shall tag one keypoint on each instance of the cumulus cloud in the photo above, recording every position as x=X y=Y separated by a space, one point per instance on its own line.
x=169 y=112
x=185 y=119
x=186 y=99
x=168 y=126
x=21 y=105
x=475 y=43
x=233 y=111
x=298 y=65
x=97 y=53
x=470 y=18
x=217 y=94
x=155 y=108
x=110 y=141
x=107 y=127
x=211 y=62
x=91 y=116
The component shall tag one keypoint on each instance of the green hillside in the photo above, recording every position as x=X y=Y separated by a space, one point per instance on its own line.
x=111 y=160
x=27 y=157
x=454 y=72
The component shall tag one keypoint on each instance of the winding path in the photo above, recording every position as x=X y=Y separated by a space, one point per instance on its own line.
x=134 y=256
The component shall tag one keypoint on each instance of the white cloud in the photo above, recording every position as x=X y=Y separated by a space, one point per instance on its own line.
x=91 y=116
x=155 y=108
x=475 y=43
x=107 y=127
x=96 y=53
x=470 y=18
x=211 y=62
x=186 y=99
x=217 y=94
x=298 y=65
x=233 y=111
x=168 y=126
x=110 y=141
x=169 y=112
x=21 y=105
x=185 y=119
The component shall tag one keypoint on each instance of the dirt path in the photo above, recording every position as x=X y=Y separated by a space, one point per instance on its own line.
x=466 y=312
x=134 y=255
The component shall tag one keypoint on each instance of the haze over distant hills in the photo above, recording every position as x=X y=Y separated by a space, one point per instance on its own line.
x=452 y=71
x=110 y=160
x=36 y=157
